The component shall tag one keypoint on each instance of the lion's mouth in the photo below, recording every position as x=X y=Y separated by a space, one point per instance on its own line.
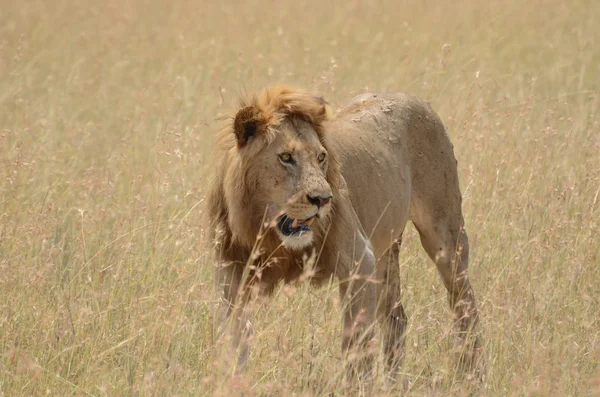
x=292 y=227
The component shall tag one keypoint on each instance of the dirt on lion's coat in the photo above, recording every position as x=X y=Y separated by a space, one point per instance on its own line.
x=293 y=180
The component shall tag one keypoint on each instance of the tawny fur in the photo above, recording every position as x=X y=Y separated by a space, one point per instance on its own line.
x=389 y=160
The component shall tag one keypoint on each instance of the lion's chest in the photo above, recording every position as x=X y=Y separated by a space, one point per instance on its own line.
x=289 y=269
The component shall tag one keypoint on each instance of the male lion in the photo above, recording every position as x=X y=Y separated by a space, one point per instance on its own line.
x=292 y=181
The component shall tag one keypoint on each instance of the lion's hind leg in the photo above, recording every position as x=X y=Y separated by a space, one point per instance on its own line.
x=390 y=311
x=440 y=224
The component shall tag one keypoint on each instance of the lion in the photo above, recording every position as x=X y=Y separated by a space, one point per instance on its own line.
x=292 y=180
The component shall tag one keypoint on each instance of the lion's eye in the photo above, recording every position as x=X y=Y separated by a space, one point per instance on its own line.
x=321 y=157
x=286 y=158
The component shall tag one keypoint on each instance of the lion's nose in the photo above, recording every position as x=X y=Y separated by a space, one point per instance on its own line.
x=319 y=199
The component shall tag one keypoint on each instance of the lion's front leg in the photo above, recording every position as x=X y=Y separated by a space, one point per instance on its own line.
x=233 y=314
x=358 y=292
x=391 y=313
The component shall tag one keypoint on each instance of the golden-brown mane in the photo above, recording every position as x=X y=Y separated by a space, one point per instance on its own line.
x=269 y=107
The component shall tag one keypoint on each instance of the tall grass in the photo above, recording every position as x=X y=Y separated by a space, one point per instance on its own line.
x=107 y=115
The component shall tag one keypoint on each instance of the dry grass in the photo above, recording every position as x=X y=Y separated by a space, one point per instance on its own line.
x=107 y=114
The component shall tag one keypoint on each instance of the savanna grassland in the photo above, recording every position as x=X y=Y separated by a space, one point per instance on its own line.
x=108 y=111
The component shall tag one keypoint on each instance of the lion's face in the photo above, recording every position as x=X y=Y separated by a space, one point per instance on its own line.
x=292 y=182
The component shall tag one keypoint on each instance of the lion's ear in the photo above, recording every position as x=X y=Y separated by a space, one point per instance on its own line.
x=321 y=101
x=324 y=112
x=247 y=123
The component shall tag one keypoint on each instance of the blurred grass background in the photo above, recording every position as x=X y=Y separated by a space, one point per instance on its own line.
x=107 y=116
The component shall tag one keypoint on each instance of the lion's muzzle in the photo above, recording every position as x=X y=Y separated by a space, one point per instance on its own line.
x=295 y=222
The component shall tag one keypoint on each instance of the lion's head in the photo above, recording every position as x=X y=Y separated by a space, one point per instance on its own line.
x=277 y=169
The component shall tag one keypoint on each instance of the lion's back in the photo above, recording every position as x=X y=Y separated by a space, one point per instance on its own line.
x=387 y=143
